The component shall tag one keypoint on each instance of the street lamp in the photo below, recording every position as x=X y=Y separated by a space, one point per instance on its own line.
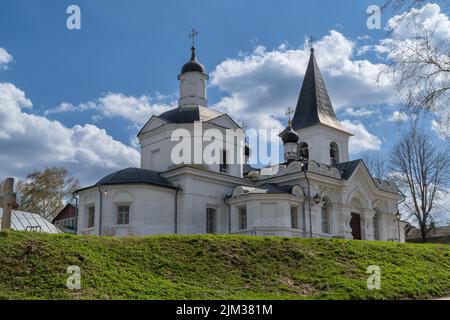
x=317 y=199
x=398 y=216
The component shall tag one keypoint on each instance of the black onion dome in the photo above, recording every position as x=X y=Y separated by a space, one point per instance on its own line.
x=193 y=64
x=289 y=135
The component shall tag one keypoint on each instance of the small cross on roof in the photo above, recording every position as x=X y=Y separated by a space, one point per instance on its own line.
x=192 y=36
x=311 y=41
x=289 y=112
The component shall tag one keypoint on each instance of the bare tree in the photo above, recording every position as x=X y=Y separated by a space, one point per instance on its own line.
x=405 y=5
x=422 y=171
x=45 y=192
x=377 y=165
x=420 y=63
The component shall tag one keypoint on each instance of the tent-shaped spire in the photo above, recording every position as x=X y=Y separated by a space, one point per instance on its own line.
x=314 y=104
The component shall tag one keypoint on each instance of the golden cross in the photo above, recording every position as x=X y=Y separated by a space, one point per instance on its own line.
x=289 y=112
x=192 y=35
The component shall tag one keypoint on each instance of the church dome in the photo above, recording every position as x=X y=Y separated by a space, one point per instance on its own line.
x=189 y=114
x=135 y=176
x=289 y=135
x=193 y=64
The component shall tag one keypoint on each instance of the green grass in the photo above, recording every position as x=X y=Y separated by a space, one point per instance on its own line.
x=34 y=266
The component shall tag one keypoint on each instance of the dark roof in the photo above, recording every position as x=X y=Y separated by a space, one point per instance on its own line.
x=189 y=114
x=193 y=64
x=63 y=210
x=289 y=135
x=347 y=168
x=275 y=188
x=267 y=188
x=248 y=168
x=134 y=176
x=314 y=104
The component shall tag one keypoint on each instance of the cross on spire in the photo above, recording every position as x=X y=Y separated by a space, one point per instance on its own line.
x=192 y=36
x=289 y=112
x=311 y=41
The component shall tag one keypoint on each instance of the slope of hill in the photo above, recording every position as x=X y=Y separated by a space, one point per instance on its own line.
x=34 y=266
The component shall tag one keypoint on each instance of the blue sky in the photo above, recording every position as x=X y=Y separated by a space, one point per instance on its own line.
x=131 y=52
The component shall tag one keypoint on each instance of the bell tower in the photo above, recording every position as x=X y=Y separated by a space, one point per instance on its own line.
x=322 y=136
x=193 y=80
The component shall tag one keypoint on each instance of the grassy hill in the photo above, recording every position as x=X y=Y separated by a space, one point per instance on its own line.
x=34 y=266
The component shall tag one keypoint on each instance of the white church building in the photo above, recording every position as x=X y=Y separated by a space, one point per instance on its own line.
x=315 y=192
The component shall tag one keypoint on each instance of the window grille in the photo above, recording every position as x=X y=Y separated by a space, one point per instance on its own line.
x=123 y=215
x=210 y=220
x=325 y=218
x=242 y=218
x=294 y=218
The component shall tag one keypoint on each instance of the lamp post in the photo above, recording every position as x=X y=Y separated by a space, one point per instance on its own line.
x=398 y=216
x=304 y=162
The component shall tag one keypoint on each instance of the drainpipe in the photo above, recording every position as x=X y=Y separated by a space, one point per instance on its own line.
x=74 y=195
x=100 y=209
x=229 y=219
x=176 y=211
x=309 y=199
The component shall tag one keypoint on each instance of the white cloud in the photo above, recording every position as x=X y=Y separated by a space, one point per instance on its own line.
x=408 y=47
x=260 y=86
x=429 y=17
x=441 y=130
x=359 y=112
x=135 y=109
x=5 y=58
x=362 y=140
x=28 y=141
x=398 y=116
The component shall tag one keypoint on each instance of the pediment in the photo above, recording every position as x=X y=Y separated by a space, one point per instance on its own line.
x=360 y=185
x=153 y=123
x=225 y=121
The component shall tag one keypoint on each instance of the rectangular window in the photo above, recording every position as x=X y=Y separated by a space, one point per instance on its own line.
x=294 y=217
x=242 y=218
x=210 y=220
x=91 y=217
x=123 y=214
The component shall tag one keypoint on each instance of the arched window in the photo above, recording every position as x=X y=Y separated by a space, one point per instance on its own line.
x=334 y=153
x=326 y=216
x=376 y=225
x=302 y=151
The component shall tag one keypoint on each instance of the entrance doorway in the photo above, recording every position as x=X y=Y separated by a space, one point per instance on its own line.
x=355 y=224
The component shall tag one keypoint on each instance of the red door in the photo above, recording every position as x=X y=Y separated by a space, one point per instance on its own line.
x=355 y=224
